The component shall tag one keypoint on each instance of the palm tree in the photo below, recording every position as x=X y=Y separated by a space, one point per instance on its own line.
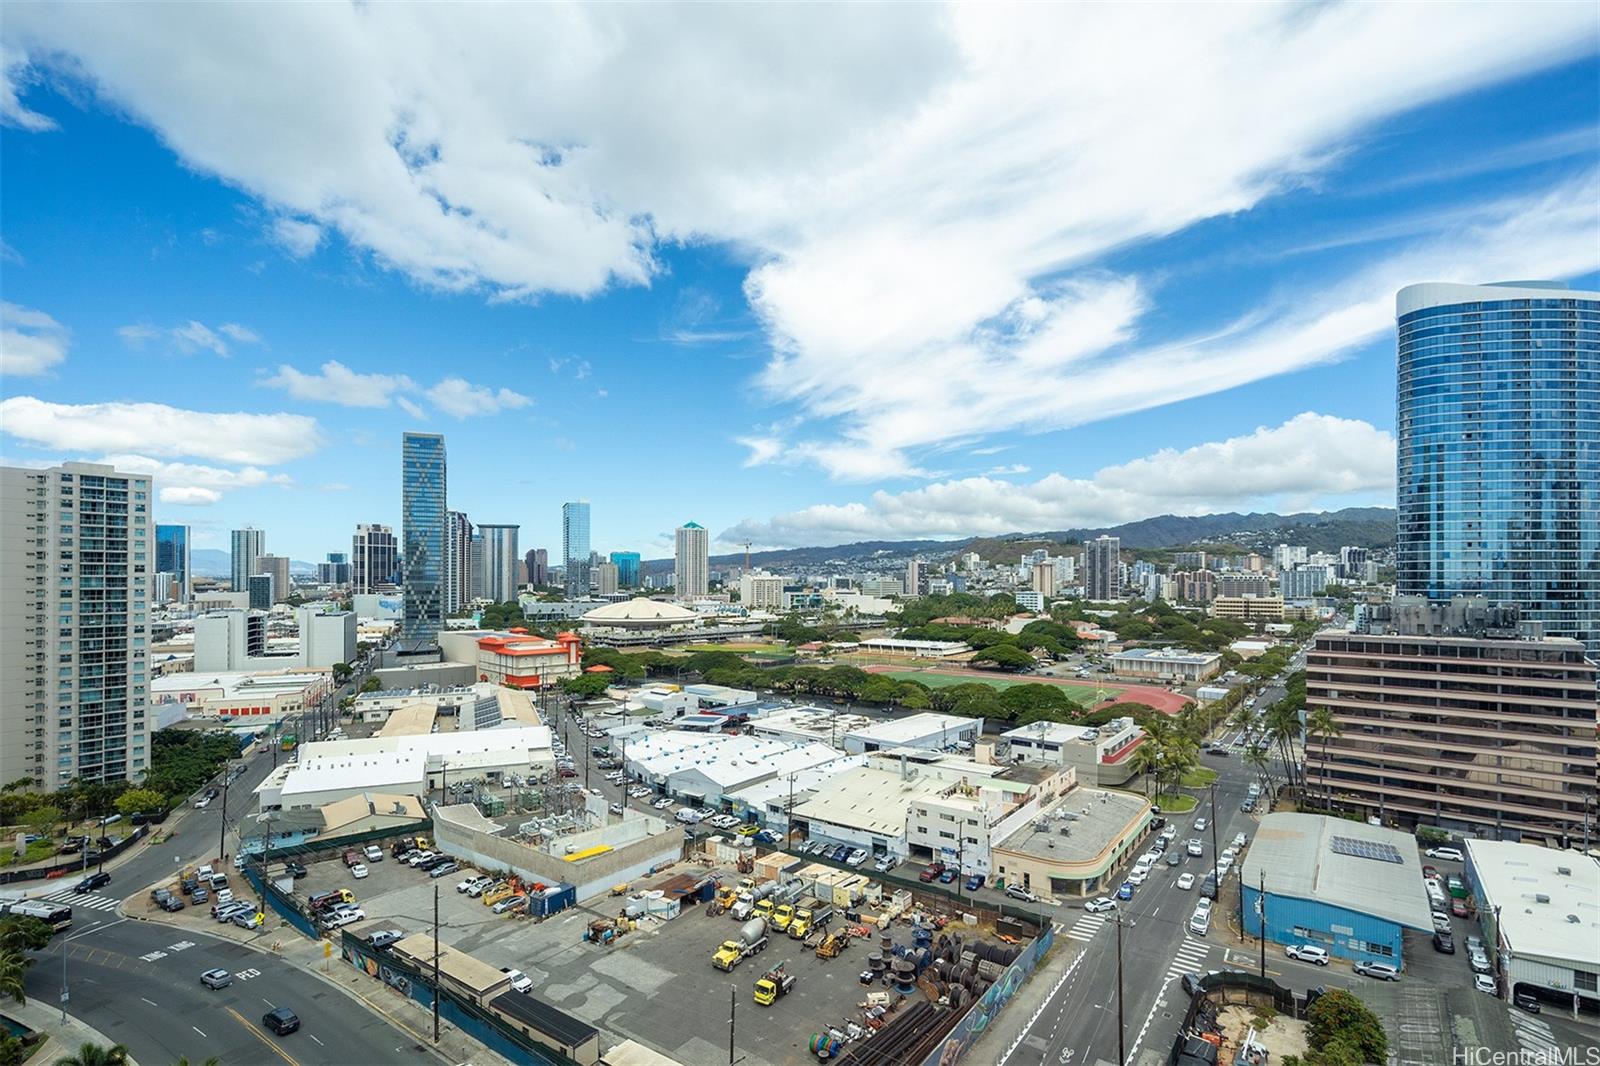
x=1283 y=726
x=1258 y=759
x=1320 y=723
x=183 y=1060
x=13 y=970
x=95 y=1055
x=1146 y=758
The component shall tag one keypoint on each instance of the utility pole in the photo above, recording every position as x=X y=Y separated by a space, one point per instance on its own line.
x=1261 y=903
x=222 y=830
x=1122 y=1048
x=436 y=990
x=1216 y=857
x=733 y=1011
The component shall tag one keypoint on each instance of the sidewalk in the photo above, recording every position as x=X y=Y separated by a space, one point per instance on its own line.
x=1004 y=1035
x=64 y=1038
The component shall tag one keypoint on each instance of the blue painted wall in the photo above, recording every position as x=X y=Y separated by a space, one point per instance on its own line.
x=1355 y=930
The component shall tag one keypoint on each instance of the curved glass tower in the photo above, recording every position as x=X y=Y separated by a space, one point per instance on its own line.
x=1498 y=426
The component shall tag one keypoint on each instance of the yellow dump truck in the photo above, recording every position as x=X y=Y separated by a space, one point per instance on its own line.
x=782 y=915
x=752 y=938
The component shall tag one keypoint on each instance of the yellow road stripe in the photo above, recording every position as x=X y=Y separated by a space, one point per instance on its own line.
x=259 y=1035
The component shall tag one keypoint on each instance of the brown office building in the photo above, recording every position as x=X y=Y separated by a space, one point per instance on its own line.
x=1456 y=716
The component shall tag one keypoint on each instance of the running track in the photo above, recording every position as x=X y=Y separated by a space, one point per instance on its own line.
x=1164 y=700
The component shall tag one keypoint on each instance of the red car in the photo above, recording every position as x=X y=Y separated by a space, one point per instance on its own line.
x=1458 y=908
x=1429 y=873
x=931 y=872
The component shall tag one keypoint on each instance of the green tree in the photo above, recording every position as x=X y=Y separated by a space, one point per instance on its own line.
x=1339 y=1019
x=42 y=819
x=371 y=684
x=1320 y=723
x=342 y=672
x=1005 y=656
x=136 y=800
x=95 y=1055
x=1145 y=760
x=13 y=974
x=586 y=685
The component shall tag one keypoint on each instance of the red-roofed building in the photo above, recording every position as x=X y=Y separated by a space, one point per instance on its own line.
x=523 y=661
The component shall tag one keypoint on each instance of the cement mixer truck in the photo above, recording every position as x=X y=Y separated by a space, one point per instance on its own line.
x=752 y=938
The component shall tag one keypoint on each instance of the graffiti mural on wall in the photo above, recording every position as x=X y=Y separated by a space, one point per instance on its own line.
x=982 y=1013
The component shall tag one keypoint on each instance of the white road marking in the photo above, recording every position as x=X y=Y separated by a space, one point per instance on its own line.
x=201 y=1031
x=152 y=1002
x=314 y=1037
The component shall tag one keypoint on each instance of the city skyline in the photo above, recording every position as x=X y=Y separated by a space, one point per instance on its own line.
x=1211 y=336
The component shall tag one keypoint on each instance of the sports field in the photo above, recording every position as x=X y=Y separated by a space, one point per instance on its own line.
x=772 y=650
x=1081 y=696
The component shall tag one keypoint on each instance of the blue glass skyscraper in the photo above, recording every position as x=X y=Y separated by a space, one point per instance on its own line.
x=575 y=546
x=172 y=557
x=627 y=564
x=422 y=515
x=1498 y=427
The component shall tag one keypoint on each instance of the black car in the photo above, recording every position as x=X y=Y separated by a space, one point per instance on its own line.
x=92 y=882
x=281 y=1020
x=1444 y=943
x=189 y=884
x=1158 y=823
x=294 y=870
x=171 y=903
x=1526 y=1001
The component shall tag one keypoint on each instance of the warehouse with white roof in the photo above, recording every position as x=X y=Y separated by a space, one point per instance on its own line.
x=707 y=767
x=928 y=730
x=1540 y=910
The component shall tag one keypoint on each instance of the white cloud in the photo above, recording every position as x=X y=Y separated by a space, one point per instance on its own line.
x=938 y=219
x=462 y=399
x=189 y=337
x=14 y=70
x=31 y=342
x=1310 y=460
x=187 y=495
x=337 y=383
x=333 y=486
x=183 y=484
x=1013 y=468
x=411 y=408
x=159 y=430
x=296 y=237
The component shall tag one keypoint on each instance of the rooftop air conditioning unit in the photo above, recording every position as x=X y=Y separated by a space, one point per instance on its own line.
x=1564 y=871
x=1540 y=897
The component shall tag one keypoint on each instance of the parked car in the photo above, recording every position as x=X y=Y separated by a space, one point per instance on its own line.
x=519 y=980
x=949 y=875
x=1458 y=907
x=476 y=880
x=217 y=978
x=616 y=808
x=384 y=937
x=510 y=903
x=1200 y=825
x=281 y=1020
x=444 y=869
x=1312 y=953
x=373 y=853
x=351 y=857
x=1444 y=943
x=1485 y=983
x=856 y=857
x=1479 y=962
x=1526 y=1001
x=1446 y=853
x=1100 y=905
x=1137 y=875
x=358 y=871
x=1430 y=873
x=249 y=919
x=931 y=872
x=294 y=870
x=884 y=865
x=1383 y=971
x=1125 y=891
x=974 y=883
x=1018 y=892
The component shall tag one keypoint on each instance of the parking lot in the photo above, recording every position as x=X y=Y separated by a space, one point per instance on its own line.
x=654 y=984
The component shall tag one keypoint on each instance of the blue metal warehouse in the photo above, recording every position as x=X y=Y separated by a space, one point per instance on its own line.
x=1345 y=886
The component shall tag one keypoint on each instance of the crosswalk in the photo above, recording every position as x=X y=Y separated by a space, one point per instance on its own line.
x=1536 y=1037
x=1190 y=958
x=88 y=900
x=1086 y=927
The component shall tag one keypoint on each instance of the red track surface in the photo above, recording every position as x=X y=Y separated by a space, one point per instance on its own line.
x=1164 y=700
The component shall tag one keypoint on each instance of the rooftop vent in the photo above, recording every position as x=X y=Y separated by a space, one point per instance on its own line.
x=1540 y=897
x=1564 y=871
x=1573 y=918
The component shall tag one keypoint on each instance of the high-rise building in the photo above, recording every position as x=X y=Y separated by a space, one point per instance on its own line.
x=1352 y=563
x=605 y=579
x=457 y=562
x=335 y=571
x=248 y=543
x=422 y=509
x=172 y=557
x=691 y=559
x=760 y=591
x=278 y=567
x=77 y=550
x=1189 y=560
x=916 y=578
x=501 y=561
x=1244 y=584
x=1303 y=582
x=374 y=559
x=1455 y=714
x=1042 y=578
x=1285 y=556
x=538 y=563
x=575 y=547
x=263 y=591
x=627 y=569
x=1102 y=568
x=1498 y=449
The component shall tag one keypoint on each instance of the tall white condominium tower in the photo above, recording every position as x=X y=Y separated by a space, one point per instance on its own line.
x=249 y=544
x=77 y=550
x=422 y=511
x=575 y=547
x=457 y=561
x=690 y=557
x=1102 y=568
x=374 y=558
x=501 y=562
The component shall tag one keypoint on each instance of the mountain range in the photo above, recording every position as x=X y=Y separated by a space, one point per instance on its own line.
x=1367 y=527
x=214 y=562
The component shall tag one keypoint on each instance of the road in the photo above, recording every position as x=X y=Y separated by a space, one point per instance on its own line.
x=139 y=984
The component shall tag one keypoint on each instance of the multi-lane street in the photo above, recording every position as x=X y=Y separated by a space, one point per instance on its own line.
x=139 y=984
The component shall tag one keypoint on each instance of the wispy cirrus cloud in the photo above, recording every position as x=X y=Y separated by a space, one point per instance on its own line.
x=189 y=337
x=336 y=383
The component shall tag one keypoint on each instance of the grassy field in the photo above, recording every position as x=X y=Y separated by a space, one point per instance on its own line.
x=1176 y=803
x=1198 y=778
x=768 y=650
x=1081 y=695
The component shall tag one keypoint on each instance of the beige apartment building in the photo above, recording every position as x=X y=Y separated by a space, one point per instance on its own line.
x=1466 y=727
x=77 y=549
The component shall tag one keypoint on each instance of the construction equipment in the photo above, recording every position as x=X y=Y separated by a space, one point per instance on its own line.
x=810 y=916
x=497 y=892
x=774 y=983
x=620 y=890
x=831 y=945
x=752 y=938
x=604 y=930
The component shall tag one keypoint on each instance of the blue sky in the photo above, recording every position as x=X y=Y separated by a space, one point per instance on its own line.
x=716 y=265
